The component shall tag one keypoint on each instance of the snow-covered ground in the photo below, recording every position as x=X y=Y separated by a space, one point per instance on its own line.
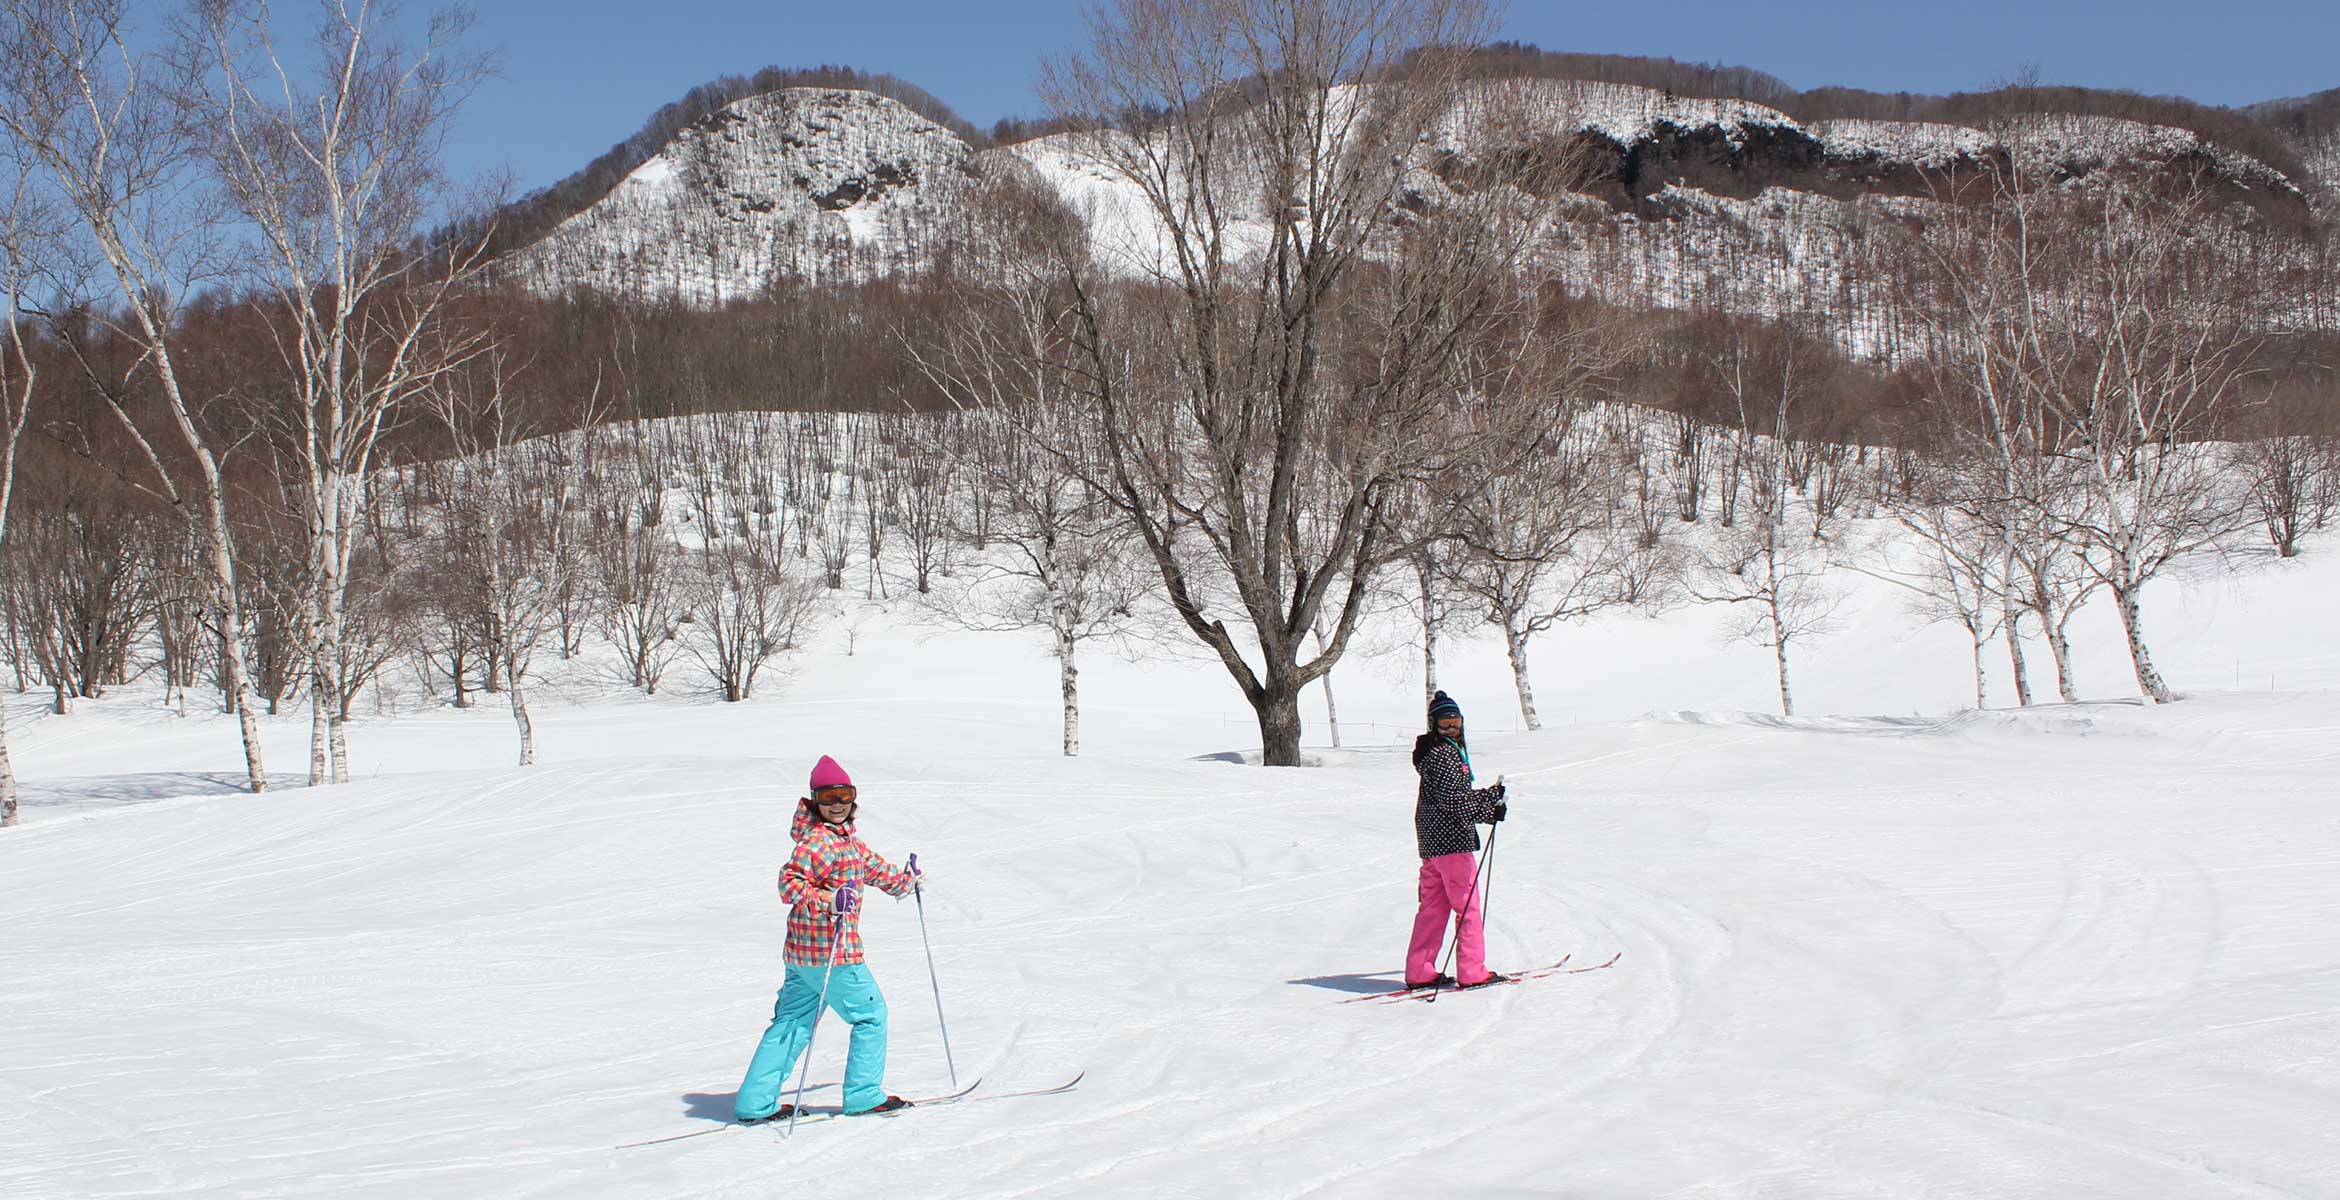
x=1895 y=951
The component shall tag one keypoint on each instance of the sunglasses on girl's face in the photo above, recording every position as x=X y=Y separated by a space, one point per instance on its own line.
x=831 y=797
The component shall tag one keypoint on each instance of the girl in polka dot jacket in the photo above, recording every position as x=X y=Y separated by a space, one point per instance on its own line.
x=1447 y=810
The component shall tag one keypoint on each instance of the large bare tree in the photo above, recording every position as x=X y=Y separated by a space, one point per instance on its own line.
x=1272 y=332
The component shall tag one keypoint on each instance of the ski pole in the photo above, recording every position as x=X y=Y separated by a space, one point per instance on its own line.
x=1487 y=893
x=1487 y=890
x=1456 y=949
x=918 y=893
x=836 y=948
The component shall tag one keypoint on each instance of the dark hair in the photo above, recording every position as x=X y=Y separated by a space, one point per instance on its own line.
x=1424 y=744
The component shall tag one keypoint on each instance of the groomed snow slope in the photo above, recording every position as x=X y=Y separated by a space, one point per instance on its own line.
x=2079 y=951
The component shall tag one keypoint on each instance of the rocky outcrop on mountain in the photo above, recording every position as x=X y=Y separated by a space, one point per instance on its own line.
x=802 y=183
x=1688 y=200
x=1728 y=204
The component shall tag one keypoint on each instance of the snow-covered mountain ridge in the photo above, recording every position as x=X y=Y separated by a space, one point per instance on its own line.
x=821 y=184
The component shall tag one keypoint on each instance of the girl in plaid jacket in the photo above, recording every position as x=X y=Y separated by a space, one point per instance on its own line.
x=822 y=884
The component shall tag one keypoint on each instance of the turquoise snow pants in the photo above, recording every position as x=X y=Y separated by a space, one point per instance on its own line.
x=853 y=995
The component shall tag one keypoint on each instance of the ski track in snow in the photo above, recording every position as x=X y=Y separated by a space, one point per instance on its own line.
x=2084 y=950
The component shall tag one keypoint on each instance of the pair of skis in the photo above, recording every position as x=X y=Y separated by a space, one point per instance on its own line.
x=962 y=1096
x=1430 y=993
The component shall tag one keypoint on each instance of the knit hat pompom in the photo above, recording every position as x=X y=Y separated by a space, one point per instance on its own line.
x=826 y=773
x=1443 y=705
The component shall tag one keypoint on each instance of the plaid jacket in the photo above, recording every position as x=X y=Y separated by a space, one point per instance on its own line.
x=826 y=858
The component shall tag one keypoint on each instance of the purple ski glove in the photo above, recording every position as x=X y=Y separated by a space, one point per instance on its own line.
x=917 y=873
x=845 y=899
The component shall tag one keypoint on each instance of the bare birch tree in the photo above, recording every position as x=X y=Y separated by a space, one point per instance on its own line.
x=1048 y=550
x=2168 y=326
x=636 y=566
x=1435 y=606
x=1953 y=569
x=511 y=527
x=335 y=171
x=1549 y=542
x=745 y=607
x=24 y=225
x=112 y=143
x=2108 y=327
x=1770 y=567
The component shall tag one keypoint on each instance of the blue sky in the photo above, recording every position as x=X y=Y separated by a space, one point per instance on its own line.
x=580 y=75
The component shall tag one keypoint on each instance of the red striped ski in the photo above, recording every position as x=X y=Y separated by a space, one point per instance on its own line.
x=1558 y=968
x=1417 y=992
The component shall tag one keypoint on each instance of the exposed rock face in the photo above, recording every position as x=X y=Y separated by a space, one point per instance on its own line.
x=808 y=183
x=1720 y=202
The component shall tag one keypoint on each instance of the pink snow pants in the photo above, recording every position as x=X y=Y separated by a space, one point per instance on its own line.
x=1448 y=889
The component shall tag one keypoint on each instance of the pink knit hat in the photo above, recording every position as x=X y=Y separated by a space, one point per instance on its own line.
x=826 y=773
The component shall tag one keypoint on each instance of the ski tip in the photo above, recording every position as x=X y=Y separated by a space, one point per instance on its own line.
x=1066 y=1086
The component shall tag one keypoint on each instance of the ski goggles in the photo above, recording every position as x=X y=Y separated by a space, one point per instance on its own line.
x=831 y=796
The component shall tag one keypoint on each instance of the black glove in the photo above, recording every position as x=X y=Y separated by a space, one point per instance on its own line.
x=1501 y=809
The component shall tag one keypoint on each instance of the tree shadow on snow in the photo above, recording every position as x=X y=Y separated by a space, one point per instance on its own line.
x=1364 y=984
x=85 y=792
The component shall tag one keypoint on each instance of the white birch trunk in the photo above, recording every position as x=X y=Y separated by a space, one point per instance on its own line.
x=2013 y=625
x=2060 y=648
x=320 y=772
x=1515 y=644
x=1429 y=634
x=327 y=673
x=1982 y=691
x=519 y=696
x=8 y=815
x=339 y=728
x=233 y=679
x=2149 y=679
x=1332 y=713
x=2010 y=611
x=1068 y=678
x=1779 y=647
